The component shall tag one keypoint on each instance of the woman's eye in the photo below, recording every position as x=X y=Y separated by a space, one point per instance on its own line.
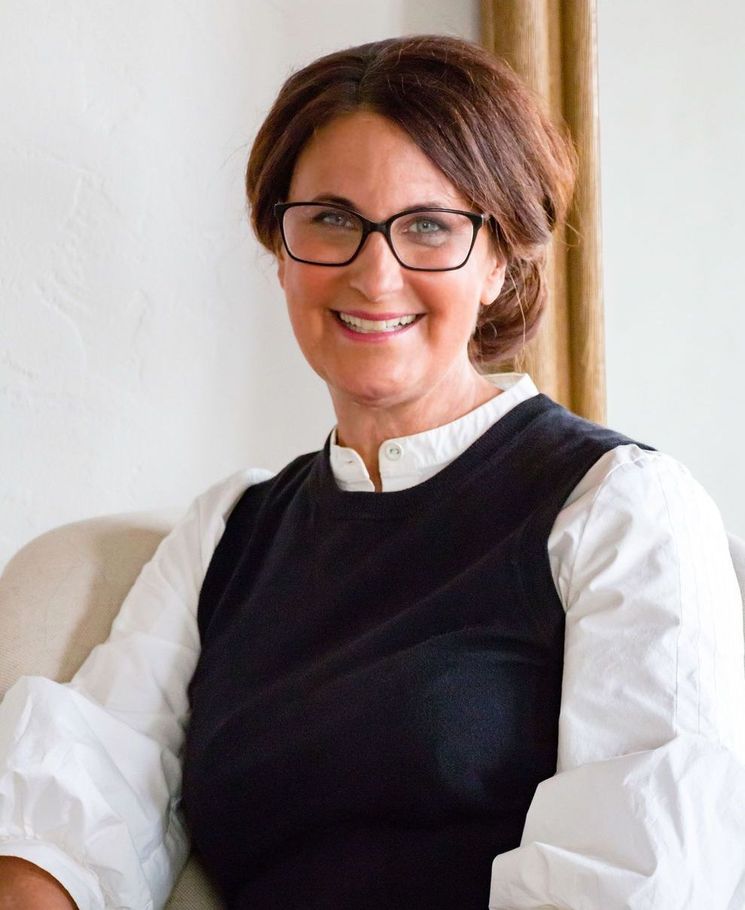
x=333 y=219
x=425 y=226
x=424 y=230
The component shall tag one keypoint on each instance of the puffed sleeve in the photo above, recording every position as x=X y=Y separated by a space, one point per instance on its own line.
x=647 y=809
x=90 y=771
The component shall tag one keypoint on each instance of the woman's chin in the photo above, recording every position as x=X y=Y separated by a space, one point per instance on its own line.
x=375 y=393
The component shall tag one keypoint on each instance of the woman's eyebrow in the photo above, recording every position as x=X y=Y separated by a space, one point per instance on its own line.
x=347 y=203
x=337 y=200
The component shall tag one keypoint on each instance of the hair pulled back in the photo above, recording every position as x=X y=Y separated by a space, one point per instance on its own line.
x=474 y=119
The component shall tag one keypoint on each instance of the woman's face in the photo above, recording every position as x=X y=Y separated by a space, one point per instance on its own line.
x=366 y=159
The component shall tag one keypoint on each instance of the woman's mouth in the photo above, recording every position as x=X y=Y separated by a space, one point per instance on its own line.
x=386 y=324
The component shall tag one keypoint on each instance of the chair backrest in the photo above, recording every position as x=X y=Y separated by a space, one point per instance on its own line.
x=60 y=593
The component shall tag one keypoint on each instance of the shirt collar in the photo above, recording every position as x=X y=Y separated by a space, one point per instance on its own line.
x=405 y=461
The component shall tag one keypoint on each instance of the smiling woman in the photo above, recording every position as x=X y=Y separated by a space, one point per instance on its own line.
x=475 y=648
x=389 y=329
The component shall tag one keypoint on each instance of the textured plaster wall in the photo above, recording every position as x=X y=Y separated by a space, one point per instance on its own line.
x=672 y=118
x=144 y=349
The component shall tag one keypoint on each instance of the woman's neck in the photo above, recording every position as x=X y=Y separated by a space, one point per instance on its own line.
x=365 y=427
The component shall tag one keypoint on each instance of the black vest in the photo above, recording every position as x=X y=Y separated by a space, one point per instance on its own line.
x=378 y=691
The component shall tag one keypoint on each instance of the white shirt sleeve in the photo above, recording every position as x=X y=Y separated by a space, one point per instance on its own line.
x=647 y=809
x=90 y=774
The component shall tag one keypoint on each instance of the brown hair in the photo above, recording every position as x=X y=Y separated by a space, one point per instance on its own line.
x=474 y=119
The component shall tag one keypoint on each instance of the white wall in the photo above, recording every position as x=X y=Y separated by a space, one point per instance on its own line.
x=144 y=350
x=672 y=112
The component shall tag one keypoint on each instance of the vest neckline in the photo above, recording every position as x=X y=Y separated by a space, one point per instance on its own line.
x=494 y=444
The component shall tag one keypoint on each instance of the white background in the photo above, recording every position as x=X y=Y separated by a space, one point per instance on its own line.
x=144 y=349
x=672 y=120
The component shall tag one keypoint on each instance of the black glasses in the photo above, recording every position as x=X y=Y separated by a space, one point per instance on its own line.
x=422 y=239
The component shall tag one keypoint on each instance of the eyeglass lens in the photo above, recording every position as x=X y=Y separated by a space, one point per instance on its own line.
x=328 y=235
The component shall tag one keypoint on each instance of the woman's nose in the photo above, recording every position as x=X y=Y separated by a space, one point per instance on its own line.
x=376 y=272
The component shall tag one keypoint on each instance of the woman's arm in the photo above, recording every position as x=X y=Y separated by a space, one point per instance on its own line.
x=648 y=805
x=90 y=771
x=24 y=886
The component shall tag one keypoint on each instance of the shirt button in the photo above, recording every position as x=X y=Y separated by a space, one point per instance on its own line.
x=393 y=451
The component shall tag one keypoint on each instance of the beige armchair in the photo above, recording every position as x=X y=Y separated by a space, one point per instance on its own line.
x=59 y=596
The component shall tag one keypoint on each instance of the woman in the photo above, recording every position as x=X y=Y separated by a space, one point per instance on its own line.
x=392 y=647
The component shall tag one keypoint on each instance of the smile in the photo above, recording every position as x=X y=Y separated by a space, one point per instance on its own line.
x=370 y=326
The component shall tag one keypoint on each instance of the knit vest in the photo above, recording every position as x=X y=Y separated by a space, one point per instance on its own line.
x=378 y=690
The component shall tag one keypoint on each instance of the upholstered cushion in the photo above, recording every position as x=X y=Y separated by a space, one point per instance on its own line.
x=58 y=598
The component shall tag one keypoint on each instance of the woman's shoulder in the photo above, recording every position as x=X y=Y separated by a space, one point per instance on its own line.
x=220 y=497
x=636 y=507
x=634 y=468
x=184 y=554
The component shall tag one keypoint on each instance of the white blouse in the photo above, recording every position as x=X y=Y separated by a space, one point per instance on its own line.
x=647 y=808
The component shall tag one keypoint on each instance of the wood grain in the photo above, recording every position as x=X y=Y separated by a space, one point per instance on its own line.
x=552 y=44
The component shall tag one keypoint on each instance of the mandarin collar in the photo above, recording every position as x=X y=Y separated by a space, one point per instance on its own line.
x=405 y=461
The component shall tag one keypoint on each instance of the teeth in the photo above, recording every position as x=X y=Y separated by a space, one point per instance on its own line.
x=375 y=325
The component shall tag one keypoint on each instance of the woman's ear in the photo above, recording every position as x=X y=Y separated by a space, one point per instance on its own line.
x=493 y=282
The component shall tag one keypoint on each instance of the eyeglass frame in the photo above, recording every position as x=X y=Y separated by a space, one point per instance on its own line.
x=380 y=227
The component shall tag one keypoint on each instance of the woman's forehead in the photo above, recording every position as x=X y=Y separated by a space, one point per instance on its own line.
x=367 y=159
